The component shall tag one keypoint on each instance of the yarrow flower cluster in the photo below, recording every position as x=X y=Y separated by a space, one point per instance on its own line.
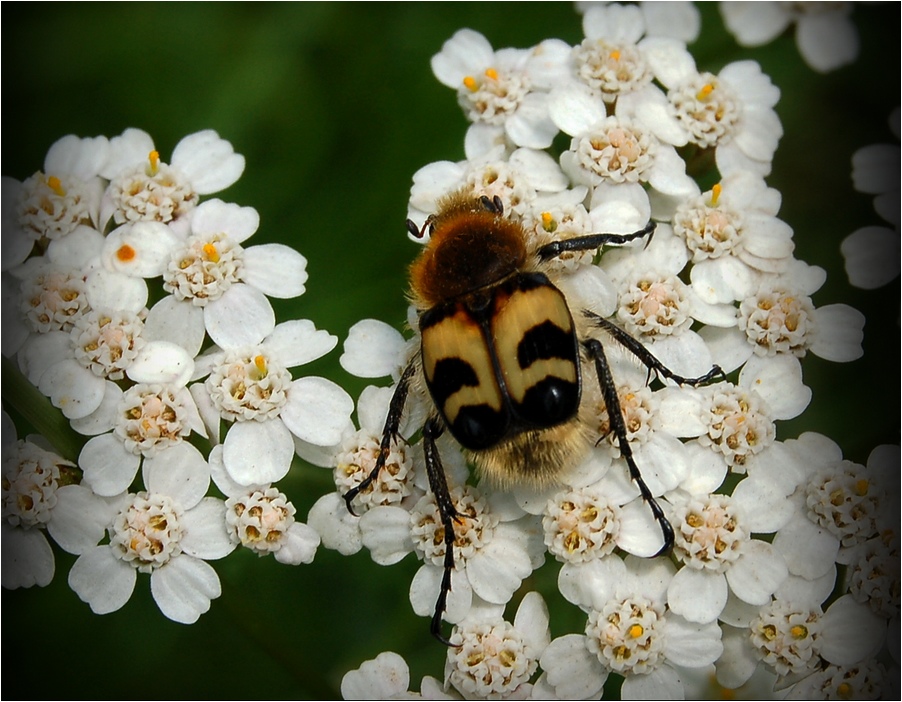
x=764 y=524
x=135 y=304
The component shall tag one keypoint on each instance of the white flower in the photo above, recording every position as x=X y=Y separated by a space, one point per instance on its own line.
x=56 y=201
x=490 y=658
x=825 y=35
x=144 y=188
x=261 y=518
x=495 y=549
x=168 y=531
x=497 y=90
x=387 y=677
x=141 y=422
x=868 y=680
x=720 y=557
x=251 y=387
x=629 y=631
x=733 y=236
x=31 y=479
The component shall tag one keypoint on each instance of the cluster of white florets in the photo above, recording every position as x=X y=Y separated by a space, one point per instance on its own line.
x=761 y=522
x=105 y=227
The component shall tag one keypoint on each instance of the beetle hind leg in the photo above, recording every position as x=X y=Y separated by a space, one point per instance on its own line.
x=618 y=425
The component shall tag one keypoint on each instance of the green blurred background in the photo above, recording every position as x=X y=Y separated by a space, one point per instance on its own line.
x=335 y=107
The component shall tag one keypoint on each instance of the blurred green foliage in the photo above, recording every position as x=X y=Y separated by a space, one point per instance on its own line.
x=335 y=107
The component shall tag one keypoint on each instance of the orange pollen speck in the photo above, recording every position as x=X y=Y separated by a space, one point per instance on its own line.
x=126 y=253
x=260 y=362
x=861 y=487
x=636 y=631
x=615 y=55
x=211 y=253
x=55 y=185
x=491 y=73
x=153 y=162
x=470 y=83
x=706 y=90
x=715 y=193
x=547 y=219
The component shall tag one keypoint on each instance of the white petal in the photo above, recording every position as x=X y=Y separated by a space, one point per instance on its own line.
x=809 y=551
x=318 y=411
x=217 y=217
x=497 y=570
x=755 y=23
x=82 y=157
x=208 y=161
x=539 y=170
x=729 y=347
x=102 y=580
x=115 y=291
x=184 y=587
x=205 y=530
x=161 y=362
x=80 y=518
x=840 y=329
x=177 y=321
x=575 y=109
x=827 y=40
x=691 y=645
x=241 y=317
x=108 y=467
x=299 y=545
x=258 y=452
x=572 y=669
x=738 y=661
x=104 y=417
x=338 y=528
x=662 y=683
x=386 y=533
x=757 y=573
x=532 y=621
x=871 y=256
x=142 y=249
x=697 y=595
x=614 y=23
x=373 y=349
x=763 y=503
x=851 y=632
x=275 y=269
x=639 y=533
x=668 y=58
x=42 y=351
x=530 y=125
x=27 y=558
x=779 y=381
x=73 y=388
x=722 y=280
x=126 y=151
x=298 y=341
x=592 y=584
x=179 y=471
x=424 y=589
x=384 y=678
x=798 y=589
x=77 y=249
x=465 y=53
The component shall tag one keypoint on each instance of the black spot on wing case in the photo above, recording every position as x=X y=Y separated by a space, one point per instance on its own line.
x=502 y=361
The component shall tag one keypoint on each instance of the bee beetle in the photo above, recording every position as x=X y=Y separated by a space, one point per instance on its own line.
x=501 y=356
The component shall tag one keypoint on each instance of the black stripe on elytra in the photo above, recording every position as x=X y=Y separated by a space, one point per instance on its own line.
x=449 y=376
x=546 y=340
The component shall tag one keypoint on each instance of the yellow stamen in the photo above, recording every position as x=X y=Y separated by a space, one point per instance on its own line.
x=491 y=73
x=260 y=362
x=125 y=253
x=799 y=631
x=636 y=631
x=55 y=185
x=470 y=84
x=615 y=55
x=211 y=253
x=706 y=90
x=153 y=162
x=548 y=223
x=715 y=194
x=861 y=487
x=844 y=690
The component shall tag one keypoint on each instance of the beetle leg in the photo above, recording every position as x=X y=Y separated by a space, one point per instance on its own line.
x=647 y=358
x=592 y=241
x=615 y=415
x=389 y=433
x=448 y=513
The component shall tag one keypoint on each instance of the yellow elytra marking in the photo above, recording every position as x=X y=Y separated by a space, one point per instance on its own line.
x=458 y=336
x=521 y=312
